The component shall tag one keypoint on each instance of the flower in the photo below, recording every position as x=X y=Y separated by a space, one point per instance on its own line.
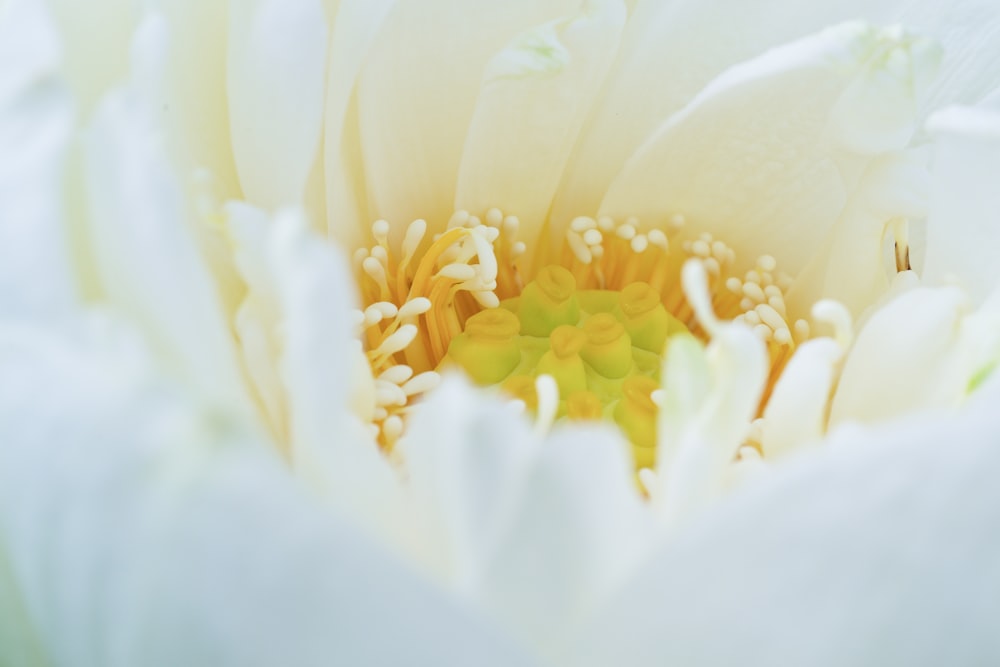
x=190 y=469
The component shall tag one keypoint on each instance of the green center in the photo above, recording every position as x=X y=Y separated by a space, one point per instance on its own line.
x=604 y=349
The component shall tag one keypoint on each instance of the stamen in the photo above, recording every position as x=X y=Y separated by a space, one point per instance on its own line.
x=594 y=325
x=836 y=315
x=547 y=392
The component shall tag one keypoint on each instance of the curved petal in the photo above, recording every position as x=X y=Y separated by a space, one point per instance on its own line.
x=465 y=457
x=904 y=358
x=969 y=31
x=852 y=267
x=878 y=550
x=325 y=372
x=36 y=122
x=355 y=27
x=699 y=434
x=144 y=529
x=765 y=157
x=535 y=96
x=148 y=261
x=93 y=66
x=964 y=223
x=670 y=51
x=258 y=318
x=536 y=532
x=193 y=91
x=417 y=94
x=275 y=81
x=796 y=412
x=580 y=501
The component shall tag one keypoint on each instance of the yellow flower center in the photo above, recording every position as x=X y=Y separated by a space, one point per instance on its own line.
x=595 y=316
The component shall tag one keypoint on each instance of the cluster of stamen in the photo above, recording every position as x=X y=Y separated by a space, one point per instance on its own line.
x=419 y=298
x=459 y=298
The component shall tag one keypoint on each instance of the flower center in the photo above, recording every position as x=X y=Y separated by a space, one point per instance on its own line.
x=602 y=347
x=595 y=317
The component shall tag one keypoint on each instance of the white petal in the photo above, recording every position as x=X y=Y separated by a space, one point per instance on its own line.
x=276 y=78
x=964 y=223
x=535 y=97
x=354 y=30
x=766 y=155
x=36 y=120
x=969 y=30
x=258 y=319
x=193 y=103
x=144 y=530
x=852 y=267
x=148 y=261
x=698 y=439
x=96 y=38
x=878 y=551
x=577 y=529
x=796 y=412
x=466 y=458
x=18 y=643
x=417 y=94
x=670 y=51
x=331 y=446
x=904 y=358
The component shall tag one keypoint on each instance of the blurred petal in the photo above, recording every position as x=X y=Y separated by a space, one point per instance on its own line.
x=580 y=501
x=699 y=435
x=766 y=156
x=796 y=411
x=94 y=66
x=880 y=550
x=354 y=30
x=964 y=225
x=36 y=121
x=276 y=78
x=490 y=495
x=147 y=530
x=535 y=96
x=193 y=103
x=149 y=263
x=417 y=95
x=904 y=358
x=465 y=458
x=325 y=372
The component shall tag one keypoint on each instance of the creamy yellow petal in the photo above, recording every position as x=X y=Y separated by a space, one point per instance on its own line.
x=417 y=95
x=766 y=156
x=535 y=96
x=905 y=358
x=664 y=62
x=276 y=75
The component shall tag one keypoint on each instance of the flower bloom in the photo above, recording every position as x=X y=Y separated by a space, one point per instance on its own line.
x=672 y=244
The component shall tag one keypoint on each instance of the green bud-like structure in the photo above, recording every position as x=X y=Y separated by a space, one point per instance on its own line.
x=603 y=348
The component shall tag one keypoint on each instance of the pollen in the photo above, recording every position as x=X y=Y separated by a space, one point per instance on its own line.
x=596 y=317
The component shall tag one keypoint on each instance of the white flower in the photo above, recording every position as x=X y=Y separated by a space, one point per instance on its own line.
x=190 y=431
